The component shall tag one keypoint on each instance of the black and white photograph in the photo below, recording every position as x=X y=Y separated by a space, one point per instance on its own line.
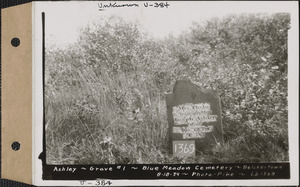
x=161 y=83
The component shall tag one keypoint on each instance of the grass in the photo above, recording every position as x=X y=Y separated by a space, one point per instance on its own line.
x=94 y=120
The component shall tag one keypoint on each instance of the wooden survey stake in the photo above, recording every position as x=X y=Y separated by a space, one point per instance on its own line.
x=194 y=117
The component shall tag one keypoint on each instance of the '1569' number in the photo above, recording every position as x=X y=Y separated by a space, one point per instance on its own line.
x=183 y=148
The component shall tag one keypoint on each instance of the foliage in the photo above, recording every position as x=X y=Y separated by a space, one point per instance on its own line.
x=105 y=98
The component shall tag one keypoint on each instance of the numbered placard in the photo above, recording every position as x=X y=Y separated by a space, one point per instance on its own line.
x=184 y=148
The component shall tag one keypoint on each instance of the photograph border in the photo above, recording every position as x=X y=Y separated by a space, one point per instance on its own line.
x=86 y=177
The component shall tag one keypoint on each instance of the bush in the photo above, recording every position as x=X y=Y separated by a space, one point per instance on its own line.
x=105 y=98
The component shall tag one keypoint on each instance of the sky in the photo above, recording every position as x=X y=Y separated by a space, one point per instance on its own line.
x=63 y=19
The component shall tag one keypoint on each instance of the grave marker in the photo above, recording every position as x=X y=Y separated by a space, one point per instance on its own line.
x=194 y=117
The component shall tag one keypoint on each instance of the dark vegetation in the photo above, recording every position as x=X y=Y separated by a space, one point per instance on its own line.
x=105 y=94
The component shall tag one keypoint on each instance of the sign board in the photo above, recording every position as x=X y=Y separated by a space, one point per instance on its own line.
x=184 y=148
x=194 y=117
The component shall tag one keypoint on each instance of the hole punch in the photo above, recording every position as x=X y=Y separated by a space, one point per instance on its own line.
x=15 y=146
x=15 y=42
